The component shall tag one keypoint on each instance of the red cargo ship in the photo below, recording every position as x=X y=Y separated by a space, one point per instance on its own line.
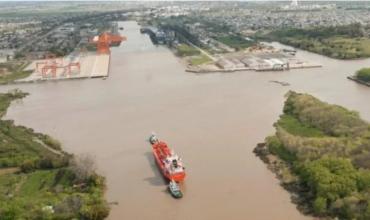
x=168 y=162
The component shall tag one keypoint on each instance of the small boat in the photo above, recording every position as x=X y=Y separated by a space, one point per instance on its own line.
x=167 y=160
x=174 y=189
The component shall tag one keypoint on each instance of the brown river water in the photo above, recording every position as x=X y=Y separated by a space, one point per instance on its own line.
x=213 y=121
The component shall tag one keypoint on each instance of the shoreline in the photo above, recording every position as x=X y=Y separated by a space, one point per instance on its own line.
x=287 y=179
x=199 y=70
x=354 y=78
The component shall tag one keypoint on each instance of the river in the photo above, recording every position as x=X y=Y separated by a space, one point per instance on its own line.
x=213 y=121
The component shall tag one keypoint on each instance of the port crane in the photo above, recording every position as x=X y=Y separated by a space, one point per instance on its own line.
x=52 y=64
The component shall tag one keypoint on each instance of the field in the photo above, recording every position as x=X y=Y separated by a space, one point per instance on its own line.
x=186 y=50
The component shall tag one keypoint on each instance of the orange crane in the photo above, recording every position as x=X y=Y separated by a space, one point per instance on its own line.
x=105 y=40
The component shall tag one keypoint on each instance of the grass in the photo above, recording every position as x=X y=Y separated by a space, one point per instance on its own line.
x=235 y=41
x=37 y=181
x=198 y=60
x=186 y=50
x=295 y=127
x=14 y=76
x=29 y=193
x=15 y=71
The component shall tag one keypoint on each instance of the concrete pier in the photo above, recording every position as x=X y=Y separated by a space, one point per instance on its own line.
x=92 y=65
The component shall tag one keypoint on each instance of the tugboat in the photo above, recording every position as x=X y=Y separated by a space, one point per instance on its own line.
x=174 y=189
x=168 y=162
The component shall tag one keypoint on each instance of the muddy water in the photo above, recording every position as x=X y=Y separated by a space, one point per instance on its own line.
x=213 y=121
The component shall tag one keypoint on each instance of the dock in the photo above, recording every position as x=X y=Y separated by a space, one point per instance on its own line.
x=90 y=65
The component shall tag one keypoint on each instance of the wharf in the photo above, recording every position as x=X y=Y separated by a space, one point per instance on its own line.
x=92 y=65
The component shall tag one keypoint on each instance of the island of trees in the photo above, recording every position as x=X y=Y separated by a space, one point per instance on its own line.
x=38 y=180
x=340 y=42
x=321 y=153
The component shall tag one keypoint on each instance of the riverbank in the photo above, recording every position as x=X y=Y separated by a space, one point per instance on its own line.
x=40 y=180
x=319 y=154
x=354 y=78
x=262 y=59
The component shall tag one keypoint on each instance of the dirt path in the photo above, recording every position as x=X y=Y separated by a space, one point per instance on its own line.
x=4 y=171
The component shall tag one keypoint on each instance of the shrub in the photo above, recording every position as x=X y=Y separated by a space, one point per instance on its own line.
x=330 y=178
x=83 y=167
x=46 y=162
x=51 y=142
x=28 y=166
x=363 y=74
x=95 y=209
x=50 y=161
x=64 y=176
x=276 y=147
x=319 y=205
x=69 y=207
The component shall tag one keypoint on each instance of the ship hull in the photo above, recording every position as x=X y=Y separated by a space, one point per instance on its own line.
x=178 y=177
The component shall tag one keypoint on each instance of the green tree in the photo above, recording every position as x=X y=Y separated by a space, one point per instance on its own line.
x=363 y=74
x=330 y=178
x=320 y=205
